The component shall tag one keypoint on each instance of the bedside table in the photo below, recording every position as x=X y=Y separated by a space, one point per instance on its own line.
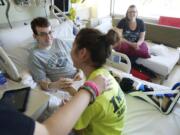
x=37 y=101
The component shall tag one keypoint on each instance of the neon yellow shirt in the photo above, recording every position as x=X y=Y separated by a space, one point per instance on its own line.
x=106 y=115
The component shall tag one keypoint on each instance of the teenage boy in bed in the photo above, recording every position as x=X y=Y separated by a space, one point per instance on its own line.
x=50 y=62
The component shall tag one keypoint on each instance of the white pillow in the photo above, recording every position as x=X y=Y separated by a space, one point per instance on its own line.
x=11 y=38
x=104 y=27
x=20 y=54
x=159 y=50
x=64 y=31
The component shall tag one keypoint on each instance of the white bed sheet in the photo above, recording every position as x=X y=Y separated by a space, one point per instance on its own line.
x=144 y=119
x=162 y=60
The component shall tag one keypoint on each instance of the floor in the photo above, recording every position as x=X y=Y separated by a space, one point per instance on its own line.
x=170 y=80
x=174 y=77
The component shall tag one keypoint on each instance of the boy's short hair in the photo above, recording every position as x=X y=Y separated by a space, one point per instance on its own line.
x=39 y=22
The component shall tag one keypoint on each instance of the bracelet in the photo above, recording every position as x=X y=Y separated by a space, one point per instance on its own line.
x=93 y=95
x=92 y=88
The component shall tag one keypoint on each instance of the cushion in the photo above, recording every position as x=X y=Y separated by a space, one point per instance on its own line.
x=105 y=24
x=169 y=21
x=11 y=38
x=129 y=51
x=162 y=57
x=158 y=50
x=64 y=30
x=20 y=53
x=104 y=27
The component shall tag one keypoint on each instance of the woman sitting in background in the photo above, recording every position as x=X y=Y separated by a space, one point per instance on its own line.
x=132 y=43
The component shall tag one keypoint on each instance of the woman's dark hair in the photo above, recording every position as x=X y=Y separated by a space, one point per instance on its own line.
x=97 y=43
x=131 y=6
x=39 y=22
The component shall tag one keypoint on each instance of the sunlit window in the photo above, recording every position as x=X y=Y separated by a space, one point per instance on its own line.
x=149 y=8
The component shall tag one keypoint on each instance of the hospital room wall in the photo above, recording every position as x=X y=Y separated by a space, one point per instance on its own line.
x=89 y=9
x=21 y=13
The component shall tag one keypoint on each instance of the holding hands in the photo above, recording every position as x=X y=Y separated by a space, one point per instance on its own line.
x=78 y=76
x=103 y=83
x=65 y=83
x=135 y=45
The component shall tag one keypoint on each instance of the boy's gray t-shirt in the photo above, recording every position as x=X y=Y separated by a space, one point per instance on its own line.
x=53 y=63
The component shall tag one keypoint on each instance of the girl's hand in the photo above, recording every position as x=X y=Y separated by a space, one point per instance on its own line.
x=103 y=83
x=63 y=83
x=135 y=46
x=78 y=76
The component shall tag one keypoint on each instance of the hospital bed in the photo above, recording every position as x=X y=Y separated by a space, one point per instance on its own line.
x=142 y=118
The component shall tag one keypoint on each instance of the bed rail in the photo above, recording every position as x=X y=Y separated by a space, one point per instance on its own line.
x=119 y=61
x=59 y=15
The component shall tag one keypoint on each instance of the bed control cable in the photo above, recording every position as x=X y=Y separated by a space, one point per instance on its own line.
x=2 y=3
x=7 y=13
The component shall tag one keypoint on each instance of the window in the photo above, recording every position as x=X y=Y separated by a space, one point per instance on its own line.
x=63 y=5
x=149 y=8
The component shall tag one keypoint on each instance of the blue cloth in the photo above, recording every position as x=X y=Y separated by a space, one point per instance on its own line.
x=176 y=86
x=13 y=122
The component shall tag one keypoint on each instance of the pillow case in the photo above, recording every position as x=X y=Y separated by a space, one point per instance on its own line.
x=104 y=27
x=125 y=48
x=159 y=50
x=11 y=38
x=64 y=30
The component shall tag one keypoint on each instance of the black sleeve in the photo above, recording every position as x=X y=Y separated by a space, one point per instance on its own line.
x=121 y=24
x=13 y=122
x=142 y=25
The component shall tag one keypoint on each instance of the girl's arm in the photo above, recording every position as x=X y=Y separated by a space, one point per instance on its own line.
x=136 y=45
x=64 y=119
x=141 y=38
x=62 y=122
